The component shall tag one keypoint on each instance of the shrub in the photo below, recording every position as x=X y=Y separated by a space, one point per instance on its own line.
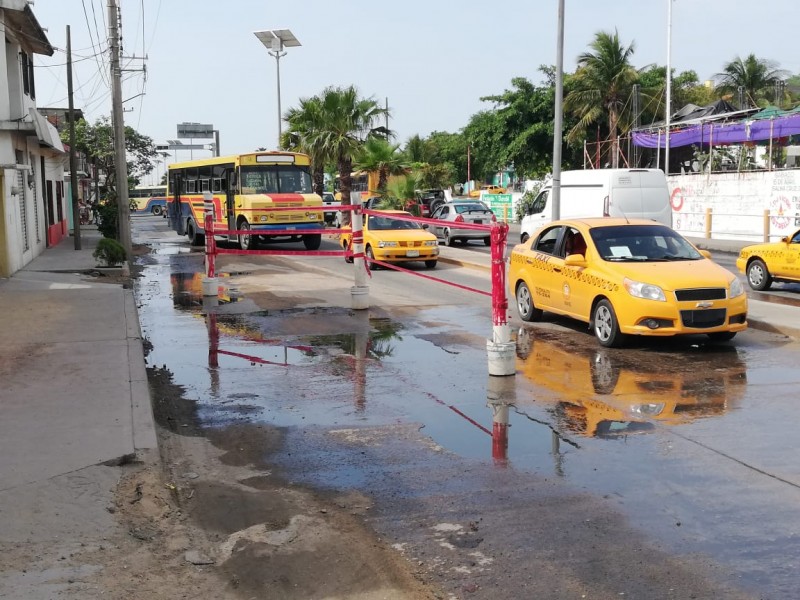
x=110 y=252
x=107 y=223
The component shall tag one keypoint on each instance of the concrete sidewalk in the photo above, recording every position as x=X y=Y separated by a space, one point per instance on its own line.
x=74 y=404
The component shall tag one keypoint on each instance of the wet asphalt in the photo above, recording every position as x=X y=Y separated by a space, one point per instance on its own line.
x=663 y=469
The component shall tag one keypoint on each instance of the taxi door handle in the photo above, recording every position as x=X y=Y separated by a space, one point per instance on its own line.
x=557 y=269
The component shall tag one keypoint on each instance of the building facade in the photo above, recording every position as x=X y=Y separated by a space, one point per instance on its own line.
x=33 y=209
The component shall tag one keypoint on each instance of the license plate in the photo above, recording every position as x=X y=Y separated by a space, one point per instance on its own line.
x=478 y=221
x=412 y=253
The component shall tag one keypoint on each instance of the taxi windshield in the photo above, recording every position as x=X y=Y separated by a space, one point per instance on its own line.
x=642 y=243
x=376 y=223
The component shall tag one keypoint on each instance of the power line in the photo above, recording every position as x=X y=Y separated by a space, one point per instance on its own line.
x=101 y=65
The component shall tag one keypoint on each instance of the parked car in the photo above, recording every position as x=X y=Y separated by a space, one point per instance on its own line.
x=430 y=200
x=393 y=240
x=489 y=189
x=462 y=211
x=765 y=263
x=329 y=200
x=625 y=277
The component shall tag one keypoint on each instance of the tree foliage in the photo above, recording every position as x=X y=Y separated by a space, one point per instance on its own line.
x=757 y=78
x=97 y=143
x=382 y=156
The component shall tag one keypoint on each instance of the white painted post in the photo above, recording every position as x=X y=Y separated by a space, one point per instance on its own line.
x=359 y=293
x=210 y=282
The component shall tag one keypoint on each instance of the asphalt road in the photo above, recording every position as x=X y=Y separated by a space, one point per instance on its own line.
x=663 y=470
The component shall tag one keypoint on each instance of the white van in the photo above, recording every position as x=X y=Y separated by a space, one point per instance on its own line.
x=631 y=193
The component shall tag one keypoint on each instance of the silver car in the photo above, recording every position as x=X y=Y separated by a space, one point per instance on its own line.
x=462 y=211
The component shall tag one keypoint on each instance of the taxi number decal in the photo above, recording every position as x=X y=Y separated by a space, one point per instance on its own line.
x=542 y=292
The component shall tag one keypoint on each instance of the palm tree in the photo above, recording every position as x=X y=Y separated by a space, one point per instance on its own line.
x=346 y=121
x=303 y=124
x=754 y=75
x=602 y=86
x=382 y=156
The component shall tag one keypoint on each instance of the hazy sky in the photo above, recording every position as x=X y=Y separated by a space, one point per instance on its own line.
x=432 y=59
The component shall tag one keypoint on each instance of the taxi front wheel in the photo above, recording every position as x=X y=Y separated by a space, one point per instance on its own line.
x=525 y=307
x=758 y=275
x=606 y=326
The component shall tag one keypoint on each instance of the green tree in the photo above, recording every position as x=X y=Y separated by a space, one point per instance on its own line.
x=602 y=88
x=382 y=156
x=757 y=78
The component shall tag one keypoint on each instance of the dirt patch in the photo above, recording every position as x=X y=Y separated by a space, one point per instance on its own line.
x=212 y=519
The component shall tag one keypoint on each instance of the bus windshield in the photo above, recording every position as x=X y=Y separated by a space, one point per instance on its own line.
x=276 y=179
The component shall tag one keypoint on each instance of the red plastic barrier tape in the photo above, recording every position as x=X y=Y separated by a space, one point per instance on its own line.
x=315 y=208
x=281 y=252
x=452 y=224
x=450 y=283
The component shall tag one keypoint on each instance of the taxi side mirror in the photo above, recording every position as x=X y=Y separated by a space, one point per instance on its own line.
x=705 y=253
x=575 y=260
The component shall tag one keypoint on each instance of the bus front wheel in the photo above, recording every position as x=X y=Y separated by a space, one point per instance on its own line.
x=312 y=242
x=246 y=240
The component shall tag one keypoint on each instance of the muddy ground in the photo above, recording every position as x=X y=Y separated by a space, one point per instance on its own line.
x=210 y=518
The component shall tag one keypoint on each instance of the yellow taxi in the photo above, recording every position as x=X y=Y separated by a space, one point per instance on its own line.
x=601 y=394
x=625 y=277
x=392 y=240
x=765 y=263
x=489 y=189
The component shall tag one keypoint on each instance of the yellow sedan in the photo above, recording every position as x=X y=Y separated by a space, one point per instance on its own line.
x=489 y=189
x=765 y=263
x=625 y=277
x=393 y=240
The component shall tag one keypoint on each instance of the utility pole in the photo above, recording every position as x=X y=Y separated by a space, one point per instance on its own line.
x=118 y=122
x=73 y=173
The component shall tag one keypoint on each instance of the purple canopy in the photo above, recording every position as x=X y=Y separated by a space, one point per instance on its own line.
x=721 y=133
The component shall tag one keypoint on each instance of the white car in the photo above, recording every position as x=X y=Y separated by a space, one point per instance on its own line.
x=462 y=211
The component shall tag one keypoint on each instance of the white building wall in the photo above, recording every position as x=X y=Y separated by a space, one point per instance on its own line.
x=738 y=202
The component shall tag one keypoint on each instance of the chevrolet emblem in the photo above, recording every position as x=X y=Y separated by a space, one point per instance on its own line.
x=704 y=304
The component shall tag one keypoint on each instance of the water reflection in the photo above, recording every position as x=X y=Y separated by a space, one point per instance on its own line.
x=501 y=393
x=600 y=393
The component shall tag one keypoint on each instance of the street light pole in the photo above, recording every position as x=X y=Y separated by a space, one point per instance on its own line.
x=669 y=86
x=277 y=54
x=276 y=40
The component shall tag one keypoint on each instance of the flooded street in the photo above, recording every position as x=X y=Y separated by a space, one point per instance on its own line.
x=664 y=470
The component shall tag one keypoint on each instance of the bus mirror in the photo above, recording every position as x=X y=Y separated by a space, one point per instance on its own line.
x=234 y=180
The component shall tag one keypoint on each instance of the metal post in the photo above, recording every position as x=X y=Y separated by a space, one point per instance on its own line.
x=216 y=142
x=559 y=115
x=359 y=293
x=210 y=280
x=668 y=109
x=501 y=350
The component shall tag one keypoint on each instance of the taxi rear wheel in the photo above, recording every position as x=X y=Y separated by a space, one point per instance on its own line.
x=606 y=326
x=525 y=307
x=758 y=275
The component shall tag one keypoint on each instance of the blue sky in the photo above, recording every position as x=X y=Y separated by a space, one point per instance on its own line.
x=432 y=59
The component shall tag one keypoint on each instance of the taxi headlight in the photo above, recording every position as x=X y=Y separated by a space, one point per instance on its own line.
x=648 y=291
x=431 y=243
x=647 y=410
x=737 y=289
x=382 y=244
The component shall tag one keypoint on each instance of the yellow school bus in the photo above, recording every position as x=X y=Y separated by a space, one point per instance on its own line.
x=242 y=186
